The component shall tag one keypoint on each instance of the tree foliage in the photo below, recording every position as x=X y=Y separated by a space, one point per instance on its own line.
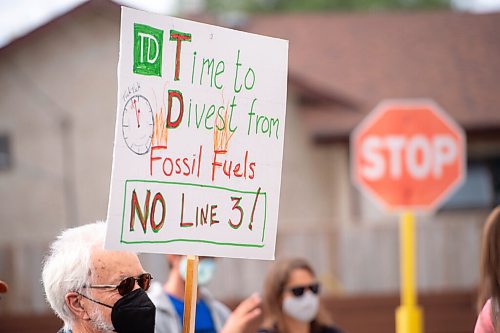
x=321 y=5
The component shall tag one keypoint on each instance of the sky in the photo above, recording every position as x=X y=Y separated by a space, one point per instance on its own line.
x=477 y=6
x=19 y=17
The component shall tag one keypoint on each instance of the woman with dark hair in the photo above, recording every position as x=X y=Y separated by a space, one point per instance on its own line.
x=488 y=303
x=291 y=300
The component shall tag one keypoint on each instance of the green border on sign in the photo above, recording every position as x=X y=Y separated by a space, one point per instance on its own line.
x=192 y=240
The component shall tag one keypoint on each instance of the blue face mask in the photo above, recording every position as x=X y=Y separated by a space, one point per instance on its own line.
x=206 y=269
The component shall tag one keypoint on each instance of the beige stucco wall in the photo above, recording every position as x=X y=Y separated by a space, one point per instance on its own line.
x=60 y=175
x=67 y=73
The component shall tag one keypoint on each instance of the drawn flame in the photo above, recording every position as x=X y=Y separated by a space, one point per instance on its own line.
x=160 y=134
x=222 y=136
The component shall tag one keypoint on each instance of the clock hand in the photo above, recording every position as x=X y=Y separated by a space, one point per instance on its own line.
x=137 y=112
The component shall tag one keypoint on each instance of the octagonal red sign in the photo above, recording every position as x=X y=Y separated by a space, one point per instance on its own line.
x=408 y=155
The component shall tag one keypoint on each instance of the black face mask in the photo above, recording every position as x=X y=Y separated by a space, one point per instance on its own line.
x=133 y=313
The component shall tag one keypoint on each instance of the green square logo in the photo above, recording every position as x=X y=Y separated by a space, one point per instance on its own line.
x=148 y=45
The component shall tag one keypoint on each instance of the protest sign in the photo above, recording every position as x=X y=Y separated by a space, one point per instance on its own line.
x=198 y=139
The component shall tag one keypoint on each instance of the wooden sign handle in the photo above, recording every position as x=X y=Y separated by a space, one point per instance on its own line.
x=190 y=294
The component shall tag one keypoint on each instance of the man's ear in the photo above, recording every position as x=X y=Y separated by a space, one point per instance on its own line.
x=74 y=302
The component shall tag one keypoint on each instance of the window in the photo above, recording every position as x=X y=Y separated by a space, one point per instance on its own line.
x=5 y=155
x=494 y=165
x=481 y=188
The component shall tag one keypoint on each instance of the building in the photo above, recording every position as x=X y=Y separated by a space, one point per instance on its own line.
x=57 y=115
x=341 y=66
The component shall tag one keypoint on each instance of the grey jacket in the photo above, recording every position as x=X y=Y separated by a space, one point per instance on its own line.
x=167 y=320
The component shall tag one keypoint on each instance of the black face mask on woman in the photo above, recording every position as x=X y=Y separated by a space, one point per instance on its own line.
x=133 y=313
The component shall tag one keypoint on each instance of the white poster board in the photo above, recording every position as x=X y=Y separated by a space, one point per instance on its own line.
x=198 y=140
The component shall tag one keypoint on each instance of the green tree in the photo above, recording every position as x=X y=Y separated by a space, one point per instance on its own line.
x=321 y=5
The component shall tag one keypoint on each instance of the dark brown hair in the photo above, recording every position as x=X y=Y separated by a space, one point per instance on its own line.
x=489 y=283
x=276 y=280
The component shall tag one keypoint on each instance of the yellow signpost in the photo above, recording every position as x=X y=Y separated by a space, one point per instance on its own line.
x=408 y=314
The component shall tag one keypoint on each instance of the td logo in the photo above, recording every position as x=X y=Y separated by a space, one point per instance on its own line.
x=148 y=45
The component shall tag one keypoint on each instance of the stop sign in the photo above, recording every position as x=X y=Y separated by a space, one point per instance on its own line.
x=408 y=155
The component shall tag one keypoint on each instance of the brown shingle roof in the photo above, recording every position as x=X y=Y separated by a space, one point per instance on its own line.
x=451 y=57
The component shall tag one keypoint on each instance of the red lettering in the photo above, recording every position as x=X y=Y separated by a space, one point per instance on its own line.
x=136 y=209
x=252 y=166
x=185 y=162
x=151 y=158
x=213 y=214
x=236 y=170
x=158 y=198
x=230 y=167
x=246 y=160
x=168 y=159
x=184 y=224
x=199 y=163
x=175 y=165
x=227 y=171
x=204 y=215
x=178 y=169
x=177 y=94
x=179 y=37
x=215 y=163
x=237 y=207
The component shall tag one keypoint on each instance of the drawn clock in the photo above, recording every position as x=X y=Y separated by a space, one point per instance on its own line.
x=138 y=124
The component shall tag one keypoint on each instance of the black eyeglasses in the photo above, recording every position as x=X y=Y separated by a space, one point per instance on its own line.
x=299 y=291
x=127 y=285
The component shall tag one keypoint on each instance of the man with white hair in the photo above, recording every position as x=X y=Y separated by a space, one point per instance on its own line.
x=95 y=290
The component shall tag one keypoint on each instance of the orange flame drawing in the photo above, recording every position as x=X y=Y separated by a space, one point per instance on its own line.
x=223 y=135
x=160 y=134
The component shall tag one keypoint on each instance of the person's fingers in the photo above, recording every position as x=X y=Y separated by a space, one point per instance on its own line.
x=246 y=317
x=248 y=304
x=253 y=314
x=252 y=321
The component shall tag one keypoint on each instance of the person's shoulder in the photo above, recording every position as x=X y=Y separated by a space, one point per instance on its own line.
x=221 y=308
x=155 y=292
x=64 y=330
x=160 y=299
x=484 y=323
x=211 y=301
x=266 y=330
x=330 y=329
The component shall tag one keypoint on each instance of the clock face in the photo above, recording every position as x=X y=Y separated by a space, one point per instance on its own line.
x=138 y=124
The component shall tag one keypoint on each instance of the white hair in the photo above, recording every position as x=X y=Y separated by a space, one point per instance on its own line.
x=67 y=267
